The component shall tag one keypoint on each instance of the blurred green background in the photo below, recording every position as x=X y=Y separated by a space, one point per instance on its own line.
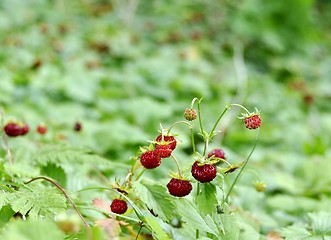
x=123 y=67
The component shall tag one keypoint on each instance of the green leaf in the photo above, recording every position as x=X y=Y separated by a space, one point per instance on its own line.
x=40 y=202
x=192 y=217
x=206 y=199
x=32 y=229
x=156 y=197
x=156 y=228
x=231 y=227
x=321 y=223
x=294 y=233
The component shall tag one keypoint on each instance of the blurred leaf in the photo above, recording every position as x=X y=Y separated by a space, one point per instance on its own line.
x=32 y=229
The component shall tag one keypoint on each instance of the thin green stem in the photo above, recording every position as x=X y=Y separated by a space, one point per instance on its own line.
x=177 y=164
x=218 y=120
x=193 y=101
x=178 y=122
x=243 y=167
x=238 y=105
x=199 y=116
x=193 y=143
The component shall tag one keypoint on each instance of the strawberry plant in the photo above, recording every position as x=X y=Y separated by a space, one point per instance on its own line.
x=195 y=197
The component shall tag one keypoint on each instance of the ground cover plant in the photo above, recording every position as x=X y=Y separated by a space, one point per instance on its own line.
x=85 y=85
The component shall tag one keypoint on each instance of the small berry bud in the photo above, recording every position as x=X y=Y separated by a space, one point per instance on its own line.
x=190 y=114
x=41 y=129
x=260 y=186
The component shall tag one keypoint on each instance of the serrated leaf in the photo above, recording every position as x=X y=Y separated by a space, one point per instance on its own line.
x=41 y=201
x=32 y=229
x=295 y=233
x=192 y=217
x=156 y=197
x=206 y=199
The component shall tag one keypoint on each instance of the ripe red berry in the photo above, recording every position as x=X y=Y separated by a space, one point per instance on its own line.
x=204 y=173
x=25 y=129
x=190 y=114
x=167 y=140
x=118 y=206
x=42 y=129
x=218 y=153
x=253 y=121
x=77 y=126
x=13 y=129
x=150 y=159
x=163 y=151
x=179 y=187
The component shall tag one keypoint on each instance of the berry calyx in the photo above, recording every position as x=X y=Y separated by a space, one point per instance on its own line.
x=166 y=140
x=190 y=114
x=217 y=153
x=163 y=151
x=150 y=159
x=179 y=187
x=13 y=129
x=118 y=206
x=203 y=173
x=41 y=129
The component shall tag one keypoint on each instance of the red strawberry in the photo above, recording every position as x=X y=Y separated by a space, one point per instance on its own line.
x=190 y=114
x=13 y=129
x=150 y=159
x=163 y=151
x=77 y=126
x=204 y=173
x=25 y=129
x=42 y=129
x=252 y=121
x=179 y=187
x=167 y=140
x=218 y=153
x=119 y=206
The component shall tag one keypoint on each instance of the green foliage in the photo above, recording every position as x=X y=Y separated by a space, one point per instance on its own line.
x=32 y=229
x=37 y=201
x=156 y=198
x=121 y=69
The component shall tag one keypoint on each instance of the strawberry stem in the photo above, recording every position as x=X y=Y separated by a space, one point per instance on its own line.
x=178 y=167
x=238 y=105
x=243 y=167
x=176 y=123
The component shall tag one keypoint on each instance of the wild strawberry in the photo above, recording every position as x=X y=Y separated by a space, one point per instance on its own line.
x=179 y=187
x=150 y=159
x=118 y=206
x=217 y=153
x=77 y=126
x=42 y=129
x=163 y=151
x=190 y=114
x=203 y=173
x=13 y=129
x=25 y=129
x=166 y=140
x=253 y=121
